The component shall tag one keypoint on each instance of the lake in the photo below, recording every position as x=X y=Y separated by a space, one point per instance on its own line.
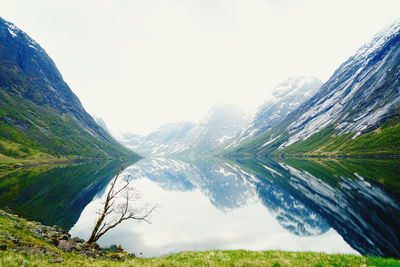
x=336 y=206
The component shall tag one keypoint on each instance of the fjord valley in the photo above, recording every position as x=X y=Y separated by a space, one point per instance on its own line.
x=309 y=177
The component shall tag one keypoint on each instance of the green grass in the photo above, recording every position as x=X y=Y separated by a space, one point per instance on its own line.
x=29 y=130
x=31 y=250
x=384 y=140
x=11 y=150
x=207 y=258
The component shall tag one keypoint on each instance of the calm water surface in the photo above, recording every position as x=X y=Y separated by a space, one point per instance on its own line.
x=332 y=206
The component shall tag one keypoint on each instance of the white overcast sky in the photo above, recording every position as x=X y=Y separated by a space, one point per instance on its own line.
x=139 y=64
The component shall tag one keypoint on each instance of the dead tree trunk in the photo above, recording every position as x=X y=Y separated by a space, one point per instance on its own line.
x=122 y=211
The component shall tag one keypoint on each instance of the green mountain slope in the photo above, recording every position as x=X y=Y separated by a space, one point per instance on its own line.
x=39 y=114
x=384 y=140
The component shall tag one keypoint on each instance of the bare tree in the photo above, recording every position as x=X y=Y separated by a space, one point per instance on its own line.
x=117 y=208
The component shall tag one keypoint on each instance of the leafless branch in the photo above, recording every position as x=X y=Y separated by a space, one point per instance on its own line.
x=123 y=210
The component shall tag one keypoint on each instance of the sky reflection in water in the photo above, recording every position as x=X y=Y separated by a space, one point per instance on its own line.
x=214 y=205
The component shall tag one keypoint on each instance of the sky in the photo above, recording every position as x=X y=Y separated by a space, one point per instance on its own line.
x=140 y=64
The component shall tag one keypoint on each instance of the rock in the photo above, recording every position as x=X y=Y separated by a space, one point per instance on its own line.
x=65 y=245
x=131 y=255
x=58 y=229
x=55 y=241
x=64 y=237
x=117 y=256
x=94 y=245
x=119 y=249
x=37 y=231
x=112 y=248
x=13 y=239
x=58 y=260
x=77 y=240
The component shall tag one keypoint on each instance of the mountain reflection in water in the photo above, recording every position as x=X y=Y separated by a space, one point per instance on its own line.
x=291 y=205
x=346 y=206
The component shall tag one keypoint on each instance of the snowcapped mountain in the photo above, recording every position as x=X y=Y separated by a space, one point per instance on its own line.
x=363 y=92
x=286 y=97
x=221 y=123
x=346 y=114
x=168 y=139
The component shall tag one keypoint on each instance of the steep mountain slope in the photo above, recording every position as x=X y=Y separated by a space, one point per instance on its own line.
x=286 y=96
x=355 y=112
x=221 y=123
x=38 y=109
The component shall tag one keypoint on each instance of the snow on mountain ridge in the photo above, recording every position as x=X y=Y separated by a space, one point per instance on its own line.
x=219 y=125
x=362 y=91
x=286 y=97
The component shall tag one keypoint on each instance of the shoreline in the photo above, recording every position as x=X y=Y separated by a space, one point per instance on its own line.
x=27 y=243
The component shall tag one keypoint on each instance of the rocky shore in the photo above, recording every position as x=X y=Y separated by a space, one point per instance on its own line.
x=22 y=240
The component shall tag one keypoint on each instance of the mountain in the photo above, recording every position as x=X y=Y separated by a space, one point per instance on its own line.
x=355 y=201
x=229 y=187
x=40 y=115
x=221 y=123
x=286 y=96
x=167 y=139
x=102 y=124
x=356 y=112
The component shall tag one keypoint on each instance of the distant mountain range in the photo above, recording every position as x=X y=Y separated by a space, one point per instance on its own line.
x=221 y=123
x=224 y=125
x=39 y=114
x=356 y=112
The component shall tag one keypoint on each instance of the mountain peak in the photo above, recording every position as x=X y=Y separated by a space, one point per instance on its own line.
x=379 y=39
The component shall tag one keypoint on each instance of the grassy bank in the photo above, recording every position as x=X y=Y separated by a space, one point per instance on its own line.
x=21 y=246
x=208 y=258
x=14 y=155
x=19 y=163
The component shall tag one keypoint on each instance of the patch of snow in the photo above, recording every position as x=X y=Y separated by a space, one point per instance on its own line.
x=224 y=138
x=270 y=141
x=271 y=170
x=13 y=34
x=356 y=135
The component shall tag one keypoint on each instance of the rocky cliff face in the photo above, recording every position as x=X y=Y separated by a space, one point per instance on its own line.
x=362 y=93
x=286 y=97
x=341 y=118
x=35 y=99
